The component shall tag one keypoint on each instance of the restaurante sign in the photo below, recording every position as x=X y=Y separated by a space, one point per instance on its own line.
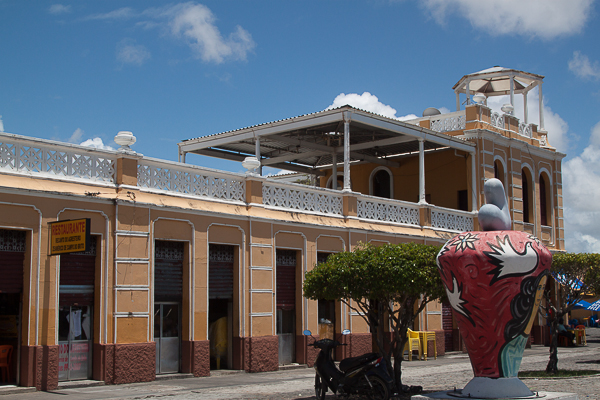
x=69 y=236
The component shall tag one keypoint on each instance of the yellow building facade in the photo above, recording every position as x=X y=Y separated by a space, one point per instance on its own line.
x=191 y=269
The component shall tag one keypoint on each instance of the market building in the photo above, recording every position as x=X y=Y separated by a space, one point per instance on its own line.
x=187 y=269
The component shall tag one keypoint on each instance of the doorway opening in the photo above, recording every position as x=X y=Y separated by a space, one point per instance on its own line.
x=168 y=296
x=286 y=304
x=12 y=258
x=75 y=313
x=220 y=305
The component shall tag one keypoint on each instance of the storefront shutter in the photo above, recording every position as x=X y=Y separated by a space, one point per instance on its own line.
x=77 y=277
x=12 y=257
x=286 y=279
x=168 y=271
x=220 y=272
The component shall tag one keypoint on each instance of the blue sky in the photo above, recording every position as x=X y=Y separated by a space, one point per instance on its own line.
x=80 y=71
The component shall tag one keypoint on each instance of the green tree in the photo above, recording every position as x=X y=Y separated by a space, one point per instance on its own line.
x=382 y=284
x=575 y=274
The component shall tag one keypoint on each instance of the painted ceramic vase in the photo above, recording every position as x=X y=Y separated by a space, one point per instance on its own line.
x=494 y=281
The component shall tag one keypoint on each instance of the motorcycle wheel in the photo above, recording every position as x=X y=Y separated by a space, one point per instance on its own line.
x=380 y=390
x=320 y=387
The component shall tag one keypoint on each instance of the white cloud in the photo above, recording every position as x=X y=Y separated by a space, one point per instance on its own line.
x=556 y=127
x=76 y=136
x=57 y=9
x=581 y=191
x=128 y=52
x=365 y=101
x=193 y=23
x=196 y=24
x=546 y=19
x=582 y=67
x=96 y=143
x=371 y=103
x=118 y=14
x=1 y=124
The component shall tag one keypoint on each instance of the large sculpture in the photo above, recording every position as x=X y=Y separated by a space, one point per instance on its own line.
x=494 y=280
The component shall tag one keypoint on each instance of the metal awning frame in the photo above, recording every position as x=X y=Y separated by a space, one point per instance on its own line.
x=257 y=139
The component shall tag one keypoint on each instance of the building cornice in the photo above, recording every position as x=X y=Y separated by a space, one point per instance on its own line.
x=512 y=142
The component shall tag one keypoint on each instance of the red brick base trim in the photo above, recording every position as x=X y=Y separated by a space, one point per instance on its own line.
x=195 y=357
x=103 y=360
x=359 y=344
x=39 y=367
x=440 y=343
x=31 y=366
x=50 y=367
x=263 y=354
x=240 y=353
x=306 y=354
x=135 y=362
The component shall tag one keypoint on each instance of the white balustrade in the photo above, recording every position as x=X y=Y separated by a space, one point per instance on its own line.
x=448 y=122
x=525 y=130
x=451 y=220
x=39 y=157
x=378 y=209
x=497 y=120
x=302 y=198
x=189 y=180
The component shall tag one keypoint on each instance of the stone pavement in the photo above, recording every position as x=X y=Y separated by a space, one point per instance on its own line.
x=445 y=373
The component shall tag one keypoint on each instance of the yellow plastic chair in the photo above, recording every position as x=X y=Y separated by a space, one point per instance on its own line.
x=428 y=336
x=412 y=343
x=580 y=338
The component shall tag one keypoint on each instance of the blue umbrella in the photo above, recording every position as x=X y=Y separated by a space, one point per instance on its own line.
x=595 y=306
x=582 y=304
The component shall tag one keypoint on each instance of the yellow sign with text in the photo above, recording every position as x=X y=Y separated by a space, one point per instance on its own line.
x=69 y=236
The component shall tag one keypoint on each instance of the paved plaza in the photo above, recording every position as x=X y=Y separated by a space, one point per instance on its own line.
x=445 y=373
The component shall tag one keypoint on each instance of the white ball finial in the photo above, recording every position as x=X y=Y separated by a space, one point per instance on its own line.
x=251 y=164
x=125 y=139
x=507 y=109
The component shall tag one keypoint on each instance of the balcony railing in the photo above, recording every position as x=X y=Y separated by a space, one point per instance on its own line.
x=47 y=158
x=451 y=220
x=174 y=177
x=458 y=121
x=525 y=130
x=298 y=197
x=454 y=121
x=378 y=209
x=449 y=122
x=497 y=120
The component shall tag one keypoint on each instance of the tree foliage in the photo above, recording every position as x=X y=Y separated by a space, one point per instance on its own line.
x=574 y=275
x=382 y=284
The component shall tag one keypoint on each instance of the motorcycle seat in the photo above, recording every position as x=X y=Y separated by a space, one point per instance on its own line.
x=353 y=362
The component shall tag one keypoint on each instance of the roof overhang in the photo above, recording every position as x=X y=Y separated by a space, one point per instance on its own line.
x=309 y=143
x=496 y=82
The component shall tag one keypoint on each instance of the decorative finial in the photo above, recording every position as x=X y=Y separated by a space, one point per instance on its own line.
x=125 y=139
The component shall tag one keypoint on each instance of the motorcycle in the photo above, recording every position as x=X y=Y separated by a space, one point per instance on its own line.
x=364 y=375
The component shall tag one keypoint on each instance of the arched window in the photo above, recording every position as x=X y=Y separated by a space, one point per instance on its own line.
x=340 y=182
x=527 y=198
x=545 y=207
x=499 y=172
x=380 y=184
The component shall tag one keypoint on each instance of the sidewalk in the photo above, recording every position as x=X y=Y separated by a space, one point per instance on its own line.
x=445 y=373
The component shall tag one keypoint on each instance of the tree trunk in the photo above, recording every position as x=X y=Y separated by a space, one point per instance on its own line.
x=552 y=367
x=398 y=355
